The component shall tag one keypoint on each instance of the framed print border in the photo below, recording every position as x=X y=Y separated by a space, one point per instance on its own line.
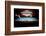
x=8 y=17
